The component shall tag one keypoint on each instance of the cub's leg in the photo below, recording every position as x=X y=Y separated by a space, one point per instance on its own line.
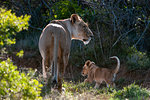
x=97 y=84
x=110 y=83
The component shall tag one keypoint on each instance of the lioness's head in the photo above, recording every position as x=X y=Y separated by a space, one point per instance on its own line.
x=86 y=67
x=80 y=30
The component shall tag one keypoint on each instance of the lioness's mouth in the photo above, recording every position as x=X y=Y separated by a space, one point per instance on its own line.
x=85 y=40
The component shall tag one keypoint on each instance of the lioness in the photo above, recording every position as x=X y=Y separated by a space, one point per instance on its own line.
x=98 y=74
x=55 y=42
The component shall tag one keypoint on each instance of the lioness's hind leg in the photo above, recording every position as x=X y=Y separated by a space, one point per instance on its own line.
x=43 y=68
x=45 y=65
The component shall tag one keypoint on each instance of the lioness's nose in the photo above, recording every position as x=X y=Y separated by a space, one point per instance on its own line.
x=91 y=34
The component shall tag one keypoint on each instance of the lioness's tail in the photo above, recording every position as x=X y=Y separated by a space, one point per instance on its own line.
x=118 y=64
x=56 y=69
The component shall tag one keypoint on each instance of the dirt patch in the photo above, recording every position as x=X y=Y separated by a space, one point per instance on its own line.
x=30 y=60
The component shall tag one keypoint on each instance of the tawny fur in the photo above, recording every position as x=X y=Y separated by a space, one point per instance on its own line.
x=97 y=74
x=55 y=42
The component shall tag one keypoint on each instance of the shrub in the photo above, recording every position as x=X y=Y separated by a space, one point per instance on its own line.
x=65 y=8
x=10 y=24
x=132 y=92
x=15 y=85
x=137 y=59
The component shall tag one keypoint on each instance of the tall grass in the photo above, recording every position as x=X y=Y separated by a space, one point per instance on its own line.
x=28 y=42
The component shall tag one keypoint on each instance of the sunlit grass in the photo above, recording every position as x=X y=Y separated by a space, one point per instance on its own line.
x=80 y=91
x=86 y=91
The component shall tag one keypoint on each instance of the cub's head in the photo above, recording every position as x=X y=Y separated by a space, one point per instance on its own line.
x=86 y=67
x=80 y=30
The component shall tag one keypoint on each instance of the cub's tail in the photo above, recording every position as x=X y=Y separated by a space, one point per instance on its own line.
x=118 y=66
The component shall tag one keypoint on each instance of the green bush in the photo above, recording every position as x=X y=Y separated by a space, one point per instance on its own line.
x=10 y=24
x=65 y=8
x=133 y=92
x=137 y=59
x=15 y=85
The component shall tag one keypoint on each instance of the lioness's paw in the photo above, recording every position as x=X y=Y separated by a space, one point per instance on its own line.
x=44 y=76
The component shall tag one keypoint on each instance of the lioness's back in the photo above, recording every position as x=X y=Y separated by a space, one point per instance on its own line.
x=47 y=37
x=52 y=29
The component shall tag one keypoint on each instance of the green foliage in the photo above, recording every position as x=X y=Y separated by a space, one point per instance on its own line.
x=20 y=53
x=65 y=8
x=132 y=92
x=10 y=24
x=137 y=59
x=15 y=85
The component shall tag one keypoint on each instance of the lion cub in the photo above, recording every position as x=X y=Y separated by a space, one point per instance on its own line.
x=99 y=75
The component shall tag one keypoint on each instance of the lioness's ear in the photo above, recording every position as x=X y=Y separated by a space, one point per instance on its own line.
x=74 y=18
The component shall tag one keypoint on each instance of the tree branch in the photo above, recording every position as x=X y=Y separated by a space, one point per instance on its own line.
x=142 y=34
x=121 y=36
x=40 y=29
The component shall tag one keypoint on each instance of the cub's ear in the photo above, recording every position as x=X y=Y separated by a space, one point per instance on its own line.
x=91 y=63
x=88 y=63
x=74 y=18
